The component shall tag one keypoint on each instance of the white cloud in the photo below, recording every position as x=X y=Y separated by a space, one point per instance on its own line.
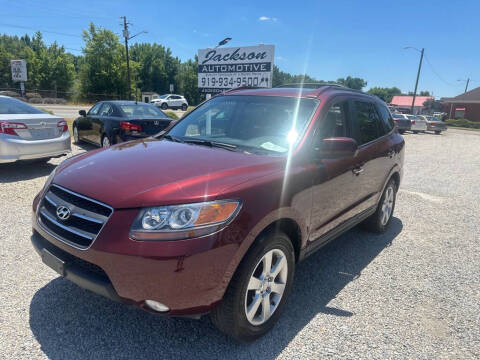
x=266 y=18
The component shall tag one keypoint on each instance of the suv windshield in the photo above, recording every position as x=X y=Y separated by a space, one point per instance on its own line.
x=263 y=123
x=14 y=106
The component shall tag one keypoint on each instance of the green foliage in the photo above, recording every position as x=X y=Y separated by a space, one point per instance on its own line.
x=352 y=82
x=431 y=106
x=171 y=115
x=463 y=123
x=424 y=93
x=48 y=67
x=385 y=93
x=103 y=69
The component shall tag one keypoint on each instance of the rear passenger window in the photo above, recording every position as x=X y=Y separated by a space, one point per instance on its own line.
x=387 y=121
x=366 y=122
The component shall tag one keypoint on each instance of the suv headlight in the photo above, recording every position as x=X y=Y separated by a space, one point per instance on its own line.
x=177 y=222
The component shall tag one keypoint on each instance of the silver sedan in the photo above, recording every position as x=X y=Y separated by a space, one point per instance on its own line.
x=28 y=133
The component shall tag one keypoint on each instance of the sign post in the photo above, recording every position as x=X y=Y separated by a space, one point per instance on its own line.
x=222 y=69
x=19 y=73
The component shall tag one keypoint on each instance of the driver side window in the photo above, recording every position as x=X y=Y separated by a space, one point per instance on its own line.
x=94 y=109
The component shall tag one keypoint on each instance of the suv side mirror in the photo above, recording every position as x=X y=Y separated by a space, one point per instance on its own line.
x=337 y=148
x=82 y=112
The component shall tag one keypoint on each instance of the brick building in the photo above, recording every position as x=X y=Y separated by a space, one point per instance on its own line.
x=464 y=106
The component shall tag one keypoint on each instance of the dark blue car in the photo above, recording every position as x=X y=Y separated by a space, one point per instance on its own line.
x=112 y=122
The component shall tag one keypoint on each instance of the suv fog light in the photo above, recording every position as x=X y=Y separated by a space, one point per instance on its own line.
x=155 y=305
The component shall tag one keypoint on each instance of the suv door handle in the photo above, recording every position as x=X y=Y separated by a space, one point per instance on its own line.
x=358 y=170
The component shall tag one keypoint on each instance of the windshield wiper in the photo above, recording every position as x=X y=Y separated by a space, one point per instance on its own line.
x=210 y=143
x=172 y=138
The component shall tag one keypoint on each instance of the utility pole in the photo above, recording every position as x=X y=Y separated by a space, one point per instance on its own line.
x=466 y=86
x=125 y=35
x=416 y=83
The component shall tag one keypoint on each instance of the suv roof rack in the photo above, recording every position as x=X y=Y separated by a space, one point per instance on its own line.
x=319 y=85
x=240 y=88
x=308 y=85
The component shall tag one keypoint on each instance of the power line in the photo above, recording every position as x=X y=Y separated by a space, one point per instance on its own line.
x=43 y=31
x=436 y=73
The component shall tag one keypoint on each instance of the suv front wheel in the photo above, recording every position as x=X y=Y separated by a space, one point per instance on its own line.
x=259 y=289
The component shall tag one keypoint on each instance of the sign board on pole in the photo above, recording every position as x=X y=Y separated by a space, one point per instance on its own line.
x=19 y=70
x=171 y=88
x=226 y=68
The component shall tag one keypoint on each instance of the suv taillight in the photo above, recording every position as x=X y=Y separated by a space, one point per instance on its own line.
x=62 y=124
x=9 y=128
x=125 y=125
x=412 y=121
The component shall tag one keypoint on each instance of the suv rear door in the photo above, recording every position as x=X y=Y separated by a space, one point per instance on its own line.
x=374 y=146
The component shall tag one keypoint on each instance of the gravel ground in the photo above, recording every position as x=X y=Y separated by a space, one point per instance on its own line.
x=413 y=292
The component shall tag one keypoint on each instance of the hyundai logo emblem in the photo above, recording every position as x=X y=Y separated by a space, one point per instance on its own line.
x=63 y=212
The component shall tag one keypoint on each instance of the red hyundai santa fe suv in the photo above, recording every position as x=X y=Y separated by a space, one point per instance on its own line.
x=214 y=214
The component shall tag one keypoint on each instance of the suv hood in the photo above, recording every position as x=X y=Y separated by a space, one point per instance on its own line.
x=152 y=172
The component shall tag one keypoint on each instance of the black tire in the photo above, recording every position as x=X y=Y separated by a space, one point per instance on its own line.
x=437 y=132
x=229 y=316
x=374 y=222
x=184 y=107
x=164 y=106
x=415 y=131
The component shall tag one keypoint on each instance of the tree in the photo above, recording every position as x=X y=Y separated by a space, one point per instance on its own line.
x=431 y=106
x=424 y=93
x=385 y=93
x=352 y=82
x=48 y=67
x=103 y=69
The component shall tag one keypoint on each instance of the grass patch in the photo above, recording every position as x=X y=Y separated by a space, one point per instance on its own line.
x=171 y=115
x=463 y=123
x=70 y=126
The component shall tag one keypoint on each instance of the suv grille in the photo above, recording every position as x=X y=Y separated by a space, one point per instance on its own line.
x=81 y=227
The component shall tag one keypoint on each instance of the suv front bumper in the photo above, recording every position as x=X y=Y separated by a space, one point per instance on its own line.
x=188 y=276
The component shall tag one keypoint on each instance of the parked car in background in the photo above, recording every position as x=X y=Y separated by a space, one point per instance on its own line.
x=112 y=122
x=433 y=124
x=28 y=133
x=171 y=101
x=417 y=124
x=402 y=122
x=214 y=215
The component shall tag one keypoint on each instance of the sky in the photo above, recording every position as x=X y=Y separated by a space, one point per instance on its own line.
x=327 y=40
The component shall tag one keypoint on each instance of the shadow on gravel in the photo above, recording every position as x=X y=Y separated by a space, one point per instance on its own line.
x=24 y=170
x=31 y=169
x=71 y=323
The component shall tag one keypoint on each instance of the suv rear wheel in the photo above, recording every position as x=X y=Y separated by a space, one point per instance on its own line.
x=184 y=107
x=378 y=222
x=164 y=106
x=259 y=289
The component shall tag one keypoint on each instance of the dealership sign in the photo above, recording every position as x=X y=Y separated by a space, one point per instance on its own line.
x=226 y=68
x=19 y=70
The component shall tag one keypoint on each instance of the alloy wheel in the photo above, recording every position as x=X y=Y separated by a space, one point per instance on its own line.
x=387 y=205
x=105 y=142
x=266 y=287
x=75 y=135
